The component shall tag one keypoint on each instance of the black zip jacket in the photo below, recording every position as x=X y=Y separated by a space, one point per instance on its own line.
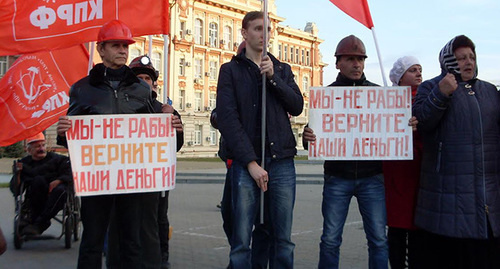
x=238 y=109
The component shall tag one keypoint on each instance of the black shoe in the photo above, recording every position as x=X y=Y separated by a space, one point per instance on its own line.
x=165 y=265
x=164 y=261
x=31 y=229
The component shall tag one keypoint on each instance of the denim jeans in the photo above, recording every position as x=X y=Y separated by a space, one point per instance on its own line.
x=245 y=202
x=337 y=194
x=260 y=234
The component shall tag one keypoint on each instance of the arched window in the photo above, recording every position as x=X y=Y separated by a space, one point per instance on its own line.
x=157 y=62
x=198 y=32
x=228 y=37
x=213 y=34
x=134 y=53
x=305 y=83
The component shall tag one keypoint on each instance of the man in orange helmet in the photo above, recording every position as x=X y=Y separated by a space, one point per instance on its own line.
x=345 y=179
x=46 y=176
x=112 y=88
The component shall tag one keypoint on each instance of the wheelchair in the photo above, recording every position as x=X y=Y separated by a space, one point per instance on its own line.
x=68 y=217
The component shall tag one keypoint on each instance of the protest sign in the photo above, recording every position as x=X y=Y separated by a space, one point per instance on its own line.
x=122 y=153
x=360 y=123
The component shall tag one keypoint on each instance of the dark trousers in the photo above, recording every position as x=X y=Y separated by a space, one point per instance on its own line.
x=163 y=224
x=145 y=223
x=442 y=252
x=131 y=212
x=44 y=205
x=405 y=245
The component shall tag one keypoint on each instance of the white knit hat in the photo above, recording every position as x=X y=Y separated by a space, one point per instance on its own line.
x=400 y=67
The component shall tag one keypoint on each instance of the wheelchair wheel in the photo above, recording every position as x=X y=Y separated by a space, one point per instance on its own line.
x=18 y=241
x=68 y=231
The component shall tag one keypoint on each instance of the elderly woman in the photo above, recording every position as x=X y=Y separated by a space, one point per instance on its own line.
x=459 y=195
x=401 y=181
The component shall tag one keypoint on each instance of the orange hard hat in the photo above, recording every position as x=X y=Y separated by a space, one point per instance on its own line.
x=351 y=45
x=35 y=138
x=115 y=30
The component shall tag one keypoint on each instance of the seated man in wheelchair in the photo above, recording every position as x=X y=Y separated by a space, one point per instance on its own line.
x=46 y=176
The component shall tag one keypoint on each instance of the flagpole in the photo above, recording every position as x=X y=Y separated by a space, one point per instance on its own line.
x=150 y=46
x=379 y=56
x=91 y=56
x=263 y=114
x=166 y=42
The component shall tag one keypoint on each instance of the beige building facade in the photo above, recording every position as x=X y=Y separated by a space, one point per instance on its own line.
x=204 y=35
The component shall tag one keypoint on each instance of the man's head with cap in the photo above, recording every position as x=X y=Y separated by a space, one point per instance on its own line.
x=401 y=67
x=112 y=43
x=351 y=55
x=35 y=146
x=144 y=69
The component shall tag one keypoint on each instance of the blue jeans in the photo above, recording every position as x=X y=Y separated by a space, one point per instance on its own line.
x=245 y=202
x=337 y=194
x=260 y=234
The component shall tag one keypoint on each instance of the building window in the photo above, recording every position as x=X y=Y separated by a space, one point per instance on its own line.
x=197 y=101
x=286 y=53
x=305 y=83
x=307 y=58
x=213 y=34
x=297 y=55
x=182 y=66
x=228 y=37
x=213 y=70
x=280 y=52
x=156 y=60
x=239 y=38
x=291 y=54
x=212 y=100
x=182 y=98
x=306 y=107
x=3 y=65
x=198 y=68
x=182 y=30
x=213 y=136
x=198 y=32
x=303 y=57
x=134 y=53
x=197 y=134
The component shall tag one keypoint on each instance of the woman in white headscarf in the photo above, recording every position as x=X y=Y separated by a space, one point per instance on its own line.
x=401 y=181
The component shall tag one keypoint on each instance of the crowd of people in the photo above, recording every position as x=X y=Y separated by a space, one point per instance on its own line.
x=442 y=208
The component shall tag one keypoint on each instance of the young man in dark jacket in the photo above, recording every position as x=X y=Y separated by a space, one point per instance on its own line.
x=112 y=88
x=345 y=179
x=239 y=118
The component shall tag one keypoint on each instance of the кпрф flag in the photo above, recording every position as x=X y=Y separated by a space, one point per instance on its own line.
x=31 y=26
x=357 y=9
x=34 y=91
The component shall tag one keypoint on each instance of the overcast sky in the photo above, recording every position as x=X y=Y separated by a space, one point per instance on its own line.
x=419 y=28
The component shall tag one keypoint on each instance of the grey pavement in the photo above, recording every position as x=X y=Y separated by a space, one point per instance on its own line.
x=198 y=240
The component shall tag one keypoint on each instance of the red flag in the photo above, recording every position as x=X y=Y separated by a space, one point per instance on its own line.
x=34 y=91
x=30 y=26
x=357 y=9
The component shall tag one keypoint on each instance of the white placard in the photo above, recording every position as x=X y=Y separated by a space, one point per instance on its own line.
x=360 y=123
